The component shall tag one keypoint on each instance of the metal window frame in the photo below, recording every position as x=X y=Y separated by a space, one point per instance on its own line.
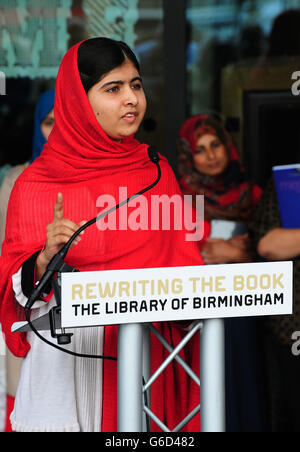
x=175 y=77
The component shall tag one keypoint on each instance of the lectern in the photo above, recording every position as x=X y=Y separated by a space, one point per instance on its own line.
x=136 y=299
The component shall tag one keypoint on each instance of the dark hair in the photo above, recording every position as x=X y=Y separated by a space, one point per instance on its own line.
x=98 y=56
x=285 y=35
x=216 y=127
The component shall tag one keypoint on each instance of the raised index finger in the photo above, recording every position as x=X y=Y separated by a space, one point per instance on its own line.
x=58 y=208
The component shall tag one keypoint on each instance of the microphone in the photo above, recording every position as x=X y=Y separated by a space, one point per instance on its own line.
x=57 y=262
x=53 y=266
x=153 y=154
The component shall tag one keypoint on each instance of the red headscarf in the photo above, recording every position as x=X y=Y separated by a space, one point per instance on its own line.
x=82 y=162
x=228 y=196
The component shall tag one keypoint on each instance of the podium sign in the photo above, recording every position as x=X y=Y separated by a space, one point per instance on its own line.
x=176 y=293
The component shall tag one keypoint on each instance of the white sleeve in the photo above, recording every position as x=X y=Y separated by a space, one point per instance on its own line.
x=17 y=287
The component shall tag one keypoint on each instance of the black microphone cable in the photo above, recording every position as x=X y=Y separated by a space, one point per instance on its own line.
x=57 y=261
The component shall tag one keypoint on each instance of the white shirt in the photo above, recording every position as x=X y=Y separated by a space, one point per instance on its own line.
x=58 y=392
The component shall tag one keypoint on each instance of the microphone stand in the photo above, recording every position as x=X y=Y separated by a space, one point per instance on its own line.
x=57 y=265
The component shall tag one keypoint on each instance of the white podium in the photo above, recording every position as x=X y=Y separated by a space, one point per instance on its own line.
x=135 y=299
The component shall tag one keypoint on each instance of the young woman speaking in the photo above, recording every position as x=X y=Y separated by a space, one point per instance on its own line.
x=99 y=106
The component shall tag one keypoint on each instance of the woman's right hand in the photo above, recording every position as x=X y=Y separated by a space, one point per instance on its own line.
x=219 y=251
x=58 y=234
x=241 y=241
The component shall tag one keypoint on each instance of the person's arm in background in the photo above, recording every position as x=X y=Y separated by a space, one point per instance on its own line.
x=219 y=251
x=280 y=244
x=270 y=241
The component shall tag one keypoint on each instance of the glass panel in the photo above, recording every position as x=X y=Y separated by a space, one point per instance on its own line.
x=236 y=48
x=35 y=34
x=149 y=48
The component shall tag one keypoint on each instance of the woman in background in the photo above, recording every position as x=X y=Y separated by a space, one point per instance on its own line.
x=209 y=165
x=282 y=364
x=43 y=125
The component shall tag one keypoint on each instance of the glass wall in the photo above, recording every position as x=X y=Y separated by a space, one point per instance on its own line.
x=222 y=33
x=228 y=52
x=149 y=46
x=236 y=48
x=34 y=36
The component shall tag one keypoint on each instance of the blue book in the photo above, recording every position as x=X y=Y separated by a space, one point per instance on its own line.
x=287 y=183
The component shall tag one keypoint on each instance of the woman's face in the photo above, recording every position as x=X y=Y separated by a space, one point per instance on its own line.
x=118 y=101
x=48 y=124
x=211 y=157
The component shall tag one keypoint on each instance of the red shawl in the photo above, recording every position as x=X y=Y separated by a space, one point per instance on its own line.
x=82 y=162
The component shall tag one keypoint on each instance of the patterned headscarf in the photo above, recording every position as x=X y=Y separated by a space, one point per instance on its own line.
x=228 y=196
